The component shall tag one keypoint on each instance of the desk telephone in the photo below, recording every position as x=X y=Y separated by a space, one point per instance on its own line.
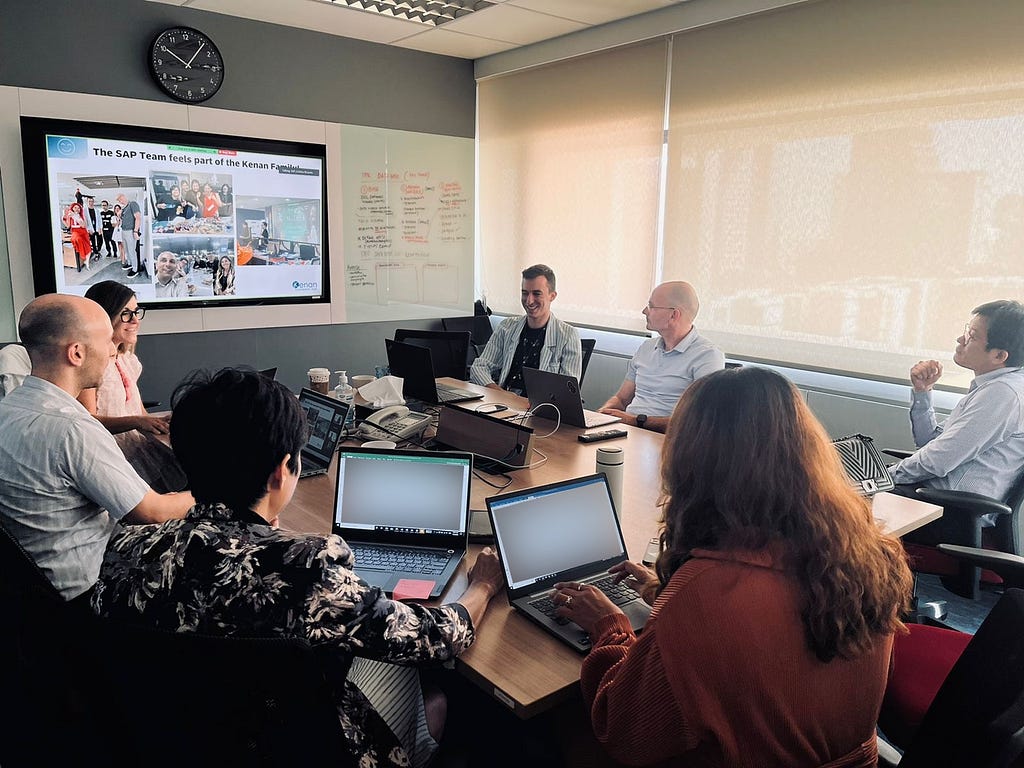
x=398 y=420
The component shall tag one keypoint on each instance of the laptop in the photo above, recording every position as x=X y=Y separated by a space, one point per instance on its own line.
x=270 y=373
x=325 y=421
x=565 y=531
x=545 y=389
x=405 y=514
x=415 y=365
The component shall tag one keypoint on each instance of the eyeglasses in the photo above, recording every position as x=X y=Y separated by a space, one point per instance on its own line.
x=127 y=314
x=969 y=334
x=651 y=306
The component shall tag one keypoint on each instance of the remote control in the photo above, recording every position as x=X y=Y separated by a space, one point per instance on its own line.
x=608 y=434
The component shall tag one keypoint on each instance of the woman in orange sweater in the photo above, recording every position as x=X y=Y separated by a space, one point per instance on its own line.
x=775 y=597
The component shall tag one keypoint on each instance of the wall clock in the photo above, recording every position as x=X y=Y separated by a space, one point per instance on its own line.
x=186 y=64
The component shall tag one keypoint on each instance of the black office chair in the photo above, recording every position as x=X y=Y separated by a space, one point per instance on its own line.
x=45 y=669
x=176 y=698
x=958 y=575
x=976 y=719
x=588 y=349
x=449 y=350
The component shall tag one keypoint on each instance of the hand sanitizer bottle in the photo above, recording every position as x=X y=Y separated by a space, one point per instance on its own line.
x=347 y=395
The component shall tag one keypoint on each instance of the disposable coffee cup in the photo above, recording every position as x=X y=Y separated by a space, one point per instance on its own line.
x=319 y=380
x=361 y=380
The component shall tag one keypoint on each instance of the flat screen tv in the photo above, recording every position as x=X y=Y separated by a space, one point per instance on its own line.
x=185 y=219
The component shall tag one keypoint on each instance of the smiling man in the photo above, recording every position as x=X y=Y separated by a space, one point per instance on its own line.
x=537 y=339
x=663 y=368
x=980 y=447
x=169 y=283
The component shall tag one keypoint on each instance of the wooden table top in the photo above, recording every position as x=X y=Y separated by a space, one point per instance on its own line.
x=512 y=659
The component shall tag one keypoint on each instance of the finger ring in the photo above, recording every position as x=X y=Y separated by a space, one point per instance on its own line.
x=579 y=587
x=568 y=601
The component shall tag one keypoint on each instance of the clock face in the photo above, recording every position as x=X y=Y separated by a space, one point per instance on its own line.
x=186 y=64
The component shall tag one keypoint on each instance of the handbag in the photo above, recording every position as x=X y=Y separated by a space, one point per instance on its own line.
x=863 y=464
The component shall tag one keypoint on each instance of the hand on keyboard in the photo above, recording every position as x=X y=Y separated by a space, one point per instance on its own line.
x=583 y=603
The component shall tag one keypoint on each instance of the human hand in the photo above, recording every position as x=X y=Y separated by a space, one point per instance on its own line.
x=924 y=375
x=616 y=412
x=486 y=571
x=643 y=579
x=582 y=604
x=155 y=425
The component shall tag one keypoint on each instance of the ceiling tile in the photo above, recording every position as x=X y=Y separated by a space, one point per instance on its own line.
x=592 y=11
x=450 y=43
x=515 y=24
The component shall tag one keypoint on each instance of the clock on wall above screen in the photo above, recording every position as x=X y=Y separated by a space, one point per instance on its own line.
x=186 y=64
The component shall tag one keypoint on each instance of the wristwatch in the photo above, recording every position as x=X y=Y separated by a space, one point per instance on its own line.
x=641 y=419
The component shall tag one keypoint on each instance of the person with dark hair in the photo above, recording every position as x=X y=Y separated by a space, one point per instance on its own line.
x=537 y=339
x=117 y=403
x=64 y=483
x=980 y=447
x=224 y=277
x=107 y=228
x=775 y=596
x=662 y=368
x=228 y=569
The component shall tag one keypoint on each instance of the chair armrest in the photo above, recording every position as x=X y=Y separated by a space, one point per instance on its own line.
x=888 y=755
x=974 y=504
x=897 y=453
x=1009 y=567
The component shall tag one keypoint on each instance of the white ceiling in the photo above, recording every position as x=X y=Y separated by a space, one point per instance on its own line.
x=506 y=25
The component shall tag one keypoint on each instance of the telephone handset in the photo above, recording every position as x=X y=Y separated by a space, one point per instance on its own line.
x=398 y=420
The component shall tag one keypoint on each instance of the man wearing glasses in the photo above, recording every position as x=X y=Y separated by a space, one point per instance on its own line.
x=980 y=447
x=664 y=367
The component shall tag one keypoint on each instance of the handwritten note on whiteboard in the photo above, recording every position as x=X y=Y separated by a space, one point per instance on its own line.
x=408 y=223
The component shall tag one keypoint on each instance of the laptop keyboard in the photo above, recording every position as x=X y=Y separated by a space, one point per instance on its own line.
x=620 y=594
x=407 y=560
x=451 y=395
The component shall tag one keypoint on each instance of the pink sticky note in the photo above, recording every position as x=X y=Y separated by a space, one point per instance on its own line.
x=413 y=589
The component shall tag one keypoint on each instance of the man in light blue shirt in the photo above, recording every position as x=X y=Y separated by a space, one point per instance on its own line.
x=980 y=448
x=64 y=483
x=663 y=368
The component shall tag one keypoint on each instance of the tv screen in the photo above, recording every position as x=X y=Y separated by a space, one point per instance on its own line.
x=185 y=219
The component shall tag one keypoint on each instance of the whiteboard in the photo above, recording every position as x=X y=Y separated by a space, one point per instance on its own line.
x=407 y=209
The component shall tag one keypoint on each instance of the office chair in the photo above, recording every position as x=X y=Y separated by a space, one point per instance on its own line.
x=976 y=719
x=177 y=698
x=449 y=350
x=958 y=575
x=45 y=669
x=587 y=346
x=15 y=365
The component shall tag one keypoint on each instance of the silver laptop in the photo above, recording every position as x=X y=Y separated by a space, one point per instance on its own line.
x=545 y=389
x=404 y=513
x=565 y=531
x=325 y=422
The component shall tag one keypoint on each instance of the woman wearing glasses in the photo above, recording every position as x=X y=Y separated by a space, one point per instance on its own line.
x=116 y=402
x=776 y=597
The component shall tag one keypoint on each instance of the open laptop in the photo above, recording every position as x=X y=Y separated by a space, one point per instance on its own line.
x=544 y=388
x=325 y=420
x=415 y=365
x=565 y=531
x=404 y=513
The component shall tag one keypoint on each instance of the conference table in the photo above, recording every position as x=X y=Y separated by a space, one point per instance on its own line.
x=513 y=660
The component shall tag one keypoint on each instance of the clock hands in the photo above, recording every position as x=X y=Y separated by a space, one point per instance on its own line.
x=165 y=49
x=195 y=54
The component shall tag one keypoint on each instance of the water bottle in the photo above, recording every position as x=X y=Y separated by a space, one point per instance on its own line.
x=609 y=463
x=347 y=395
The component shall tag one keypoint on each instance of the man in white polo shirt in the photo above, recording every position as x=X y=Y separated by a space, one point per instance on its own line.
x=664 y=367
x=64 y=483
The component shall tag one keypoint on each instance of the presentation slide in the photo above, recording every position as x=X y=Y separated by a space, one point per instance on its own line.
x=183 y=224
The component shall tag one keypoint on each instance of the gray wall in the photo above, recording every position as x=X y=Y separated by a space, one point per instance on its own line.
x=102 y=48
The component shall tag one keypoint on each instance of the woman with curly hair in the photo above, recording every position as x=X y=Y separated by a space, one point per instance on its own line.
x=775 y=595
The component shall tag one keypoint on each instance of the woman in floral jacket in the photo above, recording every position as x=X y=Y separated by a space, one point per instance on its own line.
x=228 y=569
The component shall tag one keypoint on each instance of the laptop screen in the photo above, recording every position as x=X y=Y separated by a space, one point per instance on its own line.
x=325 y=419
x=406 y=492
x=544 y=531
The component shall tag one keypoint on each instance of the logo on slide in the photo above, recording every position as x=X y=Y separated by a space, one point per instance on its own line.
x=66 y=147
x=298 y=286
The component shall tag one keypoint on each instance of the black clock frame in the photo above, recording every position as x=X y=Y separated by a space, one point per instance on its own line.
x=169 y=88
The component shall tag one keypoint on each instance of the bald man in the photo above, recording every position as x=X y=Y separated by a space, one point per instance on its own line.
x=664 y=367
x=64 y=483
